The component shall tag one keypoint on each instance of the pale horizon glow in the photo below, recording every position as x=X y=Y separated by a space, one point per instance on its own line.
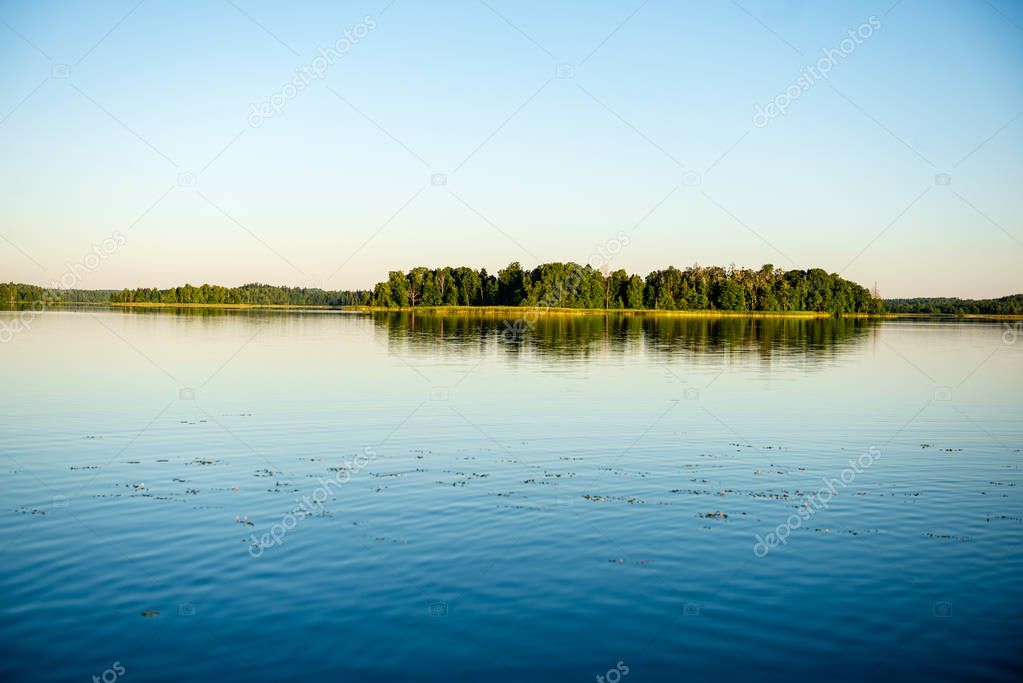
x=480 y=133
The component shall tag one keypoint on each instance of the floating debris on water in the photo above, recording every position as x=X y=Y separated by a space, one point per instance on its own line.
x=384 y=539
x=622 y=560
x=946 y=537
x=613 y=499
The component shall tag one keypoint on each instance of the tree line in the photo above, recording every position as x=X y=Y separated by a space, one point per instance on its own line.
x=569 y=285
x=253 y=294
x=556 y=285
x=1006 y=305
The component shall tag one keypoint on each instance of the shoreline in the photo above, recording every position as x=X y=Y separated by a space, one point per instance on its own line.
x=516 y=311
x=551 y=311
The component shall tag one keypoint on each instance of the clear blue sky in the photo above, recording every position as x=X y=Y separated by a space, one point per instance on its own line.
x=107 y=107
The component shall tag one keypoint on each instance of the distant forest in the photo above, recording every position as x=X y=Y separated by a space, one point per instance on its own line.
x=1006 y=305
x=253 y=294
x=569 y=285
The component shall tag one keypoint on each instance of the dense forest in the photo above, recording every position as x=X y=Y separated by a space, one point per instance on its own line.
x=569 y=285
x=254 y=294
x=14 y=293
x=1006 y=305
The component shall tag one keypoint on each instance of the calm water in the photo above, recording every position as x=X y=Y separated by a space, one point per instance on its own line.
x=581 y=499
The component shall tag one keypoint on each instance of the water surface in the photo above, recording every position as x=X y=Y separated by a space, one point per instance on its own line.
x=548 y=500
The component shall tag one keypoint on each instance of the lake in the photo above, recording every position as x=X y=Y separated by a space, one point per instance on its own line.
x=211 y=495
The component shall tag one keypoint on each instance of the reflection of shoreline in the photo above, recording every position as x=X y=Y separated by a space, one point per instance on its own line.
x=581 y=336
x=517 y=311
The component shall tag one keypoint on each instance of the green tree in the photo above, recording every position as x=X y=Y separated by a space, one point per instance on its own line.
x=731 y=296
x=399 y=288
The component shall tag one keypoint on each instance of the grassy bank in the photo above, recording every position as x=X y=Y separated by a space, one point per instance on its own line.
x=502 y=311
x=283 y=307
x=518 y=311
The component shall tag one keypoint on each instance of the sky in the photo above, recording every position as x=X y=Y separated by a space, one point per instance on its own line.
x=324 y=144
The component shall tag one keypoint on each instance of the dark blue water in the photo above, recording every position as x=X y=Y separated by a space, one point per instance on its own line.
x=182 y=499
